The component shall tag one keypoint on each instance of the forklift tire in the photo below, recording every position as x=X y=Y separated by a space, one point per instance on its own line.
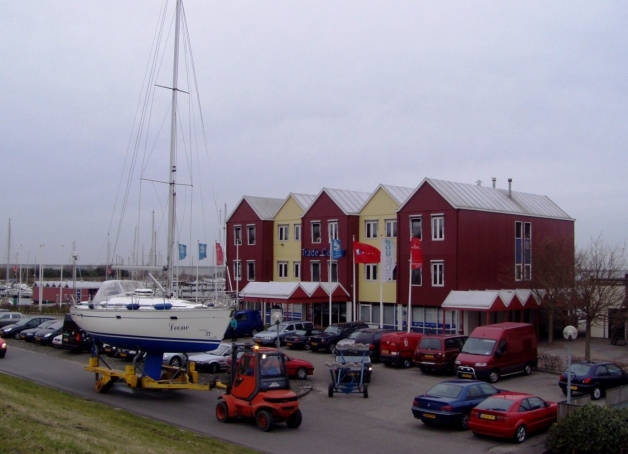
x=264 y=420
x=222 y=411
x=366 y=391
x=330 y=390
x=295 y=420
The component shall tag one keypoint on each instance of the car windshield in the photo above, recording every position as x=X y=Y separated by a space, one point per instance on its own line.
x=354 y=335
x=221 y=350
x=445 y=390
x=23 y=322
x=477 y=346
x=430 y=343
x=580 y=369
x=300 y=332
x=271 y=365
x=55 y=325
x=46 y=324
x=332 y=329
x=495 y=403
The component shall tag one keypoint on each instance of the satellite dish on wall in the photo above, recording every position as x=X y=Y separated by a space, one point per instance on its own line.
x=276 y=318
x=570 y=333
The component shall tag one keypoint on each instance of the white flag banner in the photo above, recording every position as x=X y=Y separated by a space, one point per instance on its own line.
x=389 y=257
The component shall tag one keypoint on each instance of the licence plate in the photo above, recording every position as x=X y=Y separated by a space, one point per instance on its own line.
x=574 y=388
x=429 y=356
x=429 y=415
x=66 y=338
x=289 y=344
x=314 y=343
x=385 y=352
x=485 y=416
x=467 y=376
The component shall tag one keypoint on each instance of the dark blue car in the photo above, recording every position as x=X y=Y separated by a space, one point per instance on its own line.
x=450 y=402
x=593 y=378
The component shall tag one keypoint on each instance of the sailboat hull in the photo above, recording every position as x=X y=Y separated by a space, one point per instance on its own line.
x=173 y=330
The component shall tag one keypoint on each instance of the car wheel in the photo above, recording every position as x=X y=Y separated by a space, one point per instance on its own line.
x=596 y=393
x=302 y=373
x=464 y=421
x=17 y=336
x=527 y=370
x=520 y=434
x=214 y=368
x=330 y=390
x=175 y=361
x=406 y=363
x=264 y=420
x=307 y=345
x=493 y=377
x=222 y=411
x=295 y=420
x=366 y=392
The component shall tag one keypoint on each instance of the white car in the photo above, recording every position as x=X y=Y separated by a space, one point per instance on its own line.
x=213 y=361
x=57 y=341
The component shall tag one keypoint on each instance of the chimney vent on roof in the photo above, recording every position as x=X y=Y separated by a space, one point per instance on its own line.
x=479 y=182
x=509 y=187
x=494 y=182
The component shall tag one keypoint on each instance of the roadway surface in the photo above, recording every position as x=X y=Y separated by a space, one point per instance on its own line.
x=346 y=423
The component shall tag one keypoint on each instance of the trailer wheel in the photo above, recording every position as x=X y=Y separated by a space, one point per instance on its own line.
x=264 y=420
x=295 y=420
x=330 y=390
x=366 y=392
x=222 y=411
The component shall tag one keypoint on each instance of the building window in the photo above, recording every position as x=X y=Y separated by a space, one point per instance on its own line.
x=250 y=270
x=316 y=232
x=333 y=230
x=297 y=270
x=237 y=235
x=237 y=270
x=438 y=227
x=438 y=274
x=315 y=268
x=391 y=228
x=283 y=233
x=518 y=250
x=417 y=277
x=371 y=229
x=370 y=272
x=282 y=269
x=251 y=234
x=416 y=228
x=297 y=232
x=334 y=272
x=527 y=251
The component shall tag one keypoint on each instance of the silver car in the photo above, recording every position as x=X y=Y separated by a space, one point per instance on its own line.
x=269 y=337
x=213 y=361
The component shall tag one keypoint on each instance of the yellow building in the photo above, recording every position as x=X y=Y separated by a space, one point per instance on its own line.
x=377 y=282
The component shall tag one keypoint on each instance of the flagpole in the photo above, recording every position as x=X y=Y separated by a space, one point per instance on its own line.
x=409 y=316
x=329 y=280
x=198 y=248
x=381 y=300
x=353 y=309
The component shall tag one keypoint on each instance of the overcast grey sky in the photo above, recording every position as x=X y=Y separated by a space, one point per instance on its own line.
x=301 y=95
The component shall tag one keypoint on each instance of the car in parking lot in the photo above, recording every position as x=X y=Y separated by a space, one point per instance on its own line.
x=57 y=342
x=3 y=348
x=373 y=338
x=512 y=415
x=438 y=352
x=589 y=377
x=8 y=318
x=328 y=339
x=212 y=361
x=15 y=329
x=45 y=336
x=74 y=338
x=29 y=334
x=276 y=335
x=450 y=402
x=301 y=338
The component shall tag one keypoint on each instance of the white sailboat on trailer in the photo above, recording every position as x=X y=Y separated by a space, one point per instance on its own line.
x=128 y=316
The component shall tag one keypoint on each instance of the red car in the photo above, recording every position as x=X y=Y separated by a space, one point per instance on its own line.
x=3 y=347
x=297 y=368
x=512 y=415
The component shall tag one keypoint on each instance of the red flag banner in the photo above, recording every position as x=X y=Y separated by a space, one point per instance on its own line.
x=416 y=253
x=365 y=253
x=220 y=256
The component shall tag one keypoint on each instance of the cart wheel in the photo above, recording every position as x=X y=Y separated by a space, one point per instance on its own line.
x=330 y=390
x=295 y=420
x=264 y=420
x=366 y=391
x=222 y=411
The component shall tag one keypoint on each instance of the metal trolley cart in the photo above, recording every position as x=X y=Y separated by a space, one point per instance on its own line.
x=347 y=372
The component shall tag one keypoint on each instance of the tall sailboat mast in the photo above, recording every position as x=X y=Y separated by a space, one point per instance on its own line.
x=173 y=154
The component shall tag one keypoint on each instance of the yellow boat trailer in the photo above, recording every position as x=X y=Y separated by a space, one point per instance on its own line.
x=171 y=378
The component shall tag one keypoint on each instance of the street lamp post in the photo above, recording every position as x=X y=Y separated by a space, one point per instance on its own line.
x=569 y=333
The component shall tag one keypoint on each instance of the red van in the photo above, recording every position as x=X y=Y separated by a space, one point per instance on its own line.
x=495 y=350
x=398 y=348
x=438 y=352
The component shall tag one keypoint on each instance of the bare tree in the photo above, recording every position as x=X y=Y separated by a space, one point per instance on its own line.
x=596 y=269
x=552 y=277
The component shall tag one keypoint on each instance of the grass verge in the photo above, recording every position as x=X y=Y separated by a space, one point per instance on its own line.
x=39 y=419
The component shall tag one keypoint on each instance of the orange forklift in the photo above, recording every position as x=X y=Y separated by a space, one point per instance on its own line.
x=259 y=388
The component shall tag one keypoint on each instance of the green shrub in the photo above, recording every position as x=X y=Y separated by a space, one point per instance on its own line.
x=591 y=429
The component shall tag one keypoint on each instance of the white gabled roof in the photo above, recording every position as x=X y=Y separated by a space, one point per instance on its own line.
x=349 y=202
x=304 y=200
x=265 y=207
x=483 y=198
x=279 y=290
x=397 y=193
x=478 y=300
